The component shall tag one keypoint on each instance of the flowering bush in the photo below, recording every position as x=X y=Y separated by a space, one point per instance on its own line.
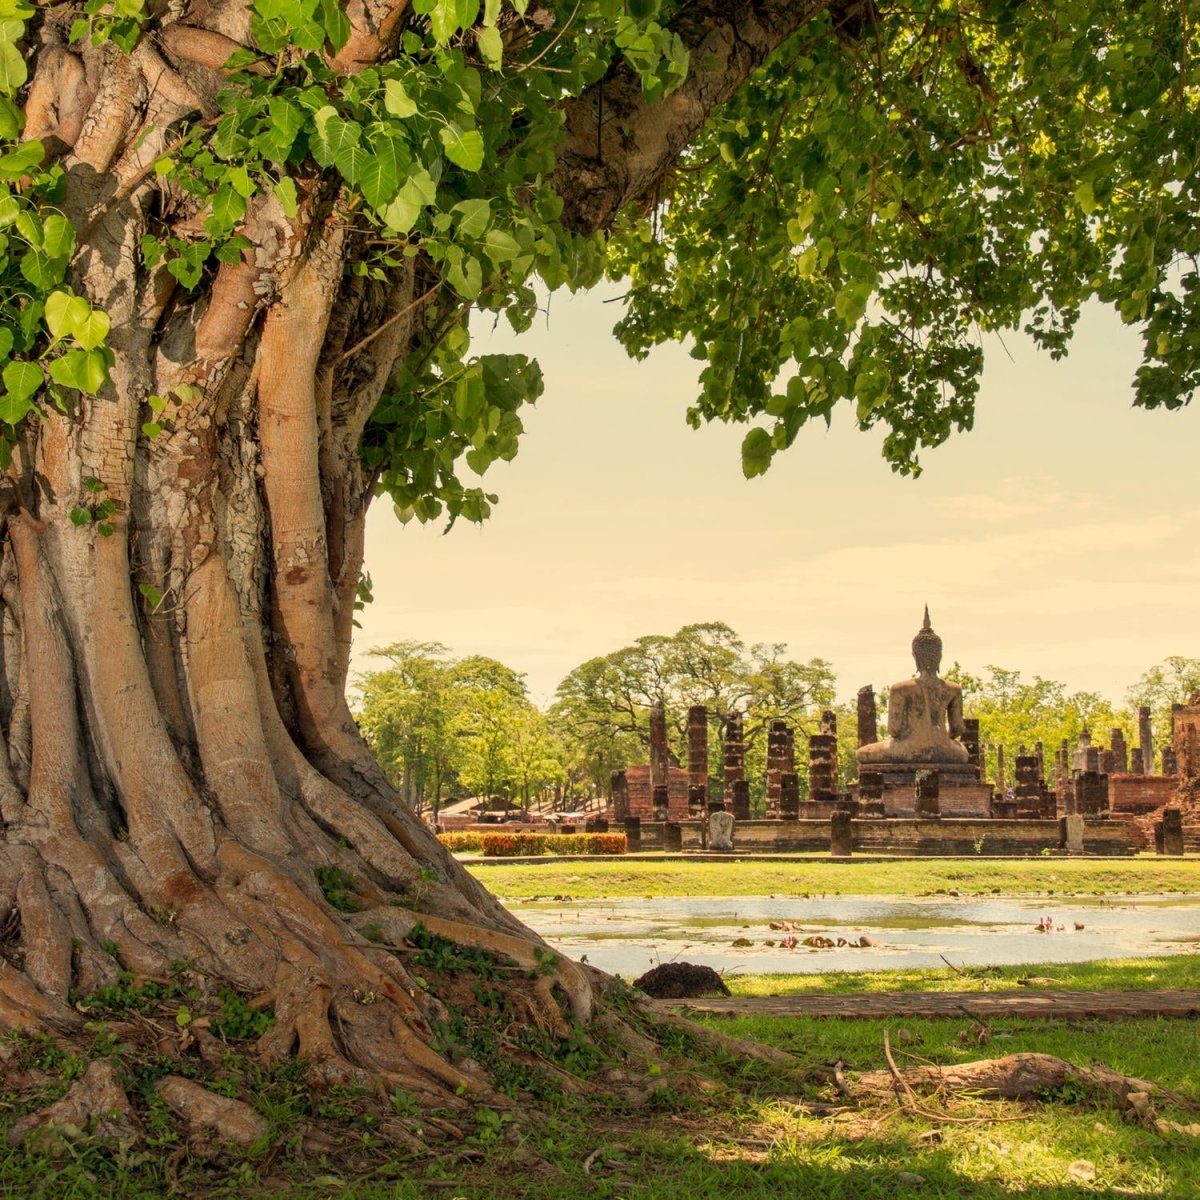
x=506 y=845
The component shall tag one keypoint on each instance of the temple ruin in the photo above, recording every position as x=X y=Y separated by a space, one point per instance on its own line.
x=922 y=788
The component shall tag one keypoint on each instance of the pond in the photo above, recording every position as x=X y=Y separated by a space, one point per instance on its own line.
x=628 y=937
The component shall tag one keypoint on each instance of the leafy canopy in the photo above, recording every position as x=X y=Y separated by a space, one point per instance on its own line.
x=895 y=180
x=875 y=198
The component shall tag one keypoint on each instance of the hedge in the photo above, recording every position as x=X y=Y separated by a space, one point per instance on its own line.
x=508 y=845
x=456 y=843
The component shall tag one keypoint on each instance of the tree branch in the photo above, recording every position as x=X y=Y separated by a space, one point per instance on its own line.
x=616 y=151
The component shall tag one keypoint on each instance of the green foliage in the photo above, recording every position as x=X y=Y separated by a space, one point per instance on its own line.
x=125 y=994
x=838 y=233
x=440 y=954
x=238 y=1019
x=1014 y=712
x=852 y=219
x=602 y=707
x=436 y=723
x=337 y=887
x=52 y=341
x=1173 y=681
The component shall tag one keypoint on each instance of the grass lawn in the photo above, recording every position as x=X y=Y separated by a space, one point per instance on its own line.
x=705 y=1128
x=684 y=1123
x=611 y=879
x=1116 y=974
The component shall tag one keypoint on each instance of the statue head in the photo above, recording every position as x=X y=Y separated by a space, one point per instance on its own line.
x=927 y=647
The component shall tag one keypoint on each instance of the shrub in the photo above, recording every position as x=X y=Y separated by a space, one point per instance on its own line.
x=505 y=845
x=586 y=843
x=457 y=843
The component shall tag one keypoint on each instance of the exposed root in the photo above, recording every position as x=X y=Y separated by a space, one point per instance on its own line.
x=1014 y=1077
x=205 y=1111
x=96 y=1104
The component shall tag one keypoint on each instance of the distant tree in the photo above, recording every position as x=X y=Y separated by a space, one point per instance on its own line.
x=405 y=715
x=1172 y=681
x=1014 y=711
x=436 y=722
x=603 y=705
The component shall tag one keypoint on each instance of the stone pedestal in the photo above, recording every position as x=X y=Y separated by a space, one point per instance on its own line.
x=720 y=832
x=595 y=825
x=1070 y=833
x=1147 y=746
x=841 y=834
x=789 y=797
x=1172 y=827
x=925 y=791
x=822 y=766
x=741 y=800
x=660 y=754
x=868 y=726
x=970 y=742
x=633 y=833
x=672 y=837
x=697 y=739
x=620 y=796
x=734 y=752
x=660 y=802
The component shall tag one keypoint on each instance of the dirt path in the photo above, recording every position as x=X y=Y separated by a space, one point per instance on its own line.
x=1016 y=1003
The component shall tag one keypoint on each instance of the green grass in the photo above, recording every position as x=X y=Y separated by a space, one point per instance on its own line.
x=749 y=1138
x=1117 y=974
x=913 y=877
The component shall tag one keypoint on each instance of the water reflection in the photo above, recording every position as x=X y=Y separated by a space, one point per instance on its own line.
x=630 y=936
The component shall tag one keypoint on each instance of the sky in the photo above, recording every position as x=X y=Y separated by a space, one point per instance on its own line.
x=1057 y=538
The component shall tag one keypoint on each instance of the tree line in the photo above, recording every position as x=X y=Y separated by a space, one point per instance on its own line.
x=445 y=727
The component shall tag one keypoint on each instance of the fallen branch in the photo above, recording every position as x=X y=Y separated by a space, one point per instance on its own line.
x=1014 y=1077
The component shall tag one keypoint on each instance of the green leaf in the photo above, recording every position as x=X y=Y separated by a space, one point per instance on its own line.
x=91 y=332
x=81 y=516
x=1085 y=197
x=756 y=453
x=64 y=313
x=491 y=46
x=153 y=597
x=379 y=179
x=285 y=193
x=58 y=236
x=447 y=17
x=335 y=23
x=84 y=370
x=464 y=149
x=21 y=381
x=23 y=160
x=6 y=341
x=474 y=216
x=13 y=72
x=397 y=101
x=466 y=277
x=418 y=191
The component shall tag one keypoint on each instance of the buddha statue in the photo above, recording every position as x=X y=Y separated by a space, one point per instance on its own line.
x=919 y=711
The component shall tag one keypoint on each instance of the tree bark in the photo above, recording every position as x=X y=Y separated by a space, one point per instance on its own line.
x=176 y=774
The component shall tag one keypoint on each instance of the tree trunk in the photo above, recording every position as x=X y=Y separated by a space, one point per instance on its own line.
x=179 y=769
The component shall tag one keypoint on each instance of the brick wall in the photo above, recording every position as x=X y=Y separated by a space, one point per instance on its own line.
x=1140 y=793
x=640 y=798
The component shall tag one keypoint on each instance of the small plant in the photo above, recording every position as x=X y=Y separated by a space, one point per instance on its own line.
x=373 y=931
x=238 y=1019
x=336 y=886
x=124 y=994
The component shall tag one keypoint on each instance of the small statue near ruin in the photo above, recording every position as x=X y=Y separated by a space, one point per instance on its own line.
x=925 y=714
